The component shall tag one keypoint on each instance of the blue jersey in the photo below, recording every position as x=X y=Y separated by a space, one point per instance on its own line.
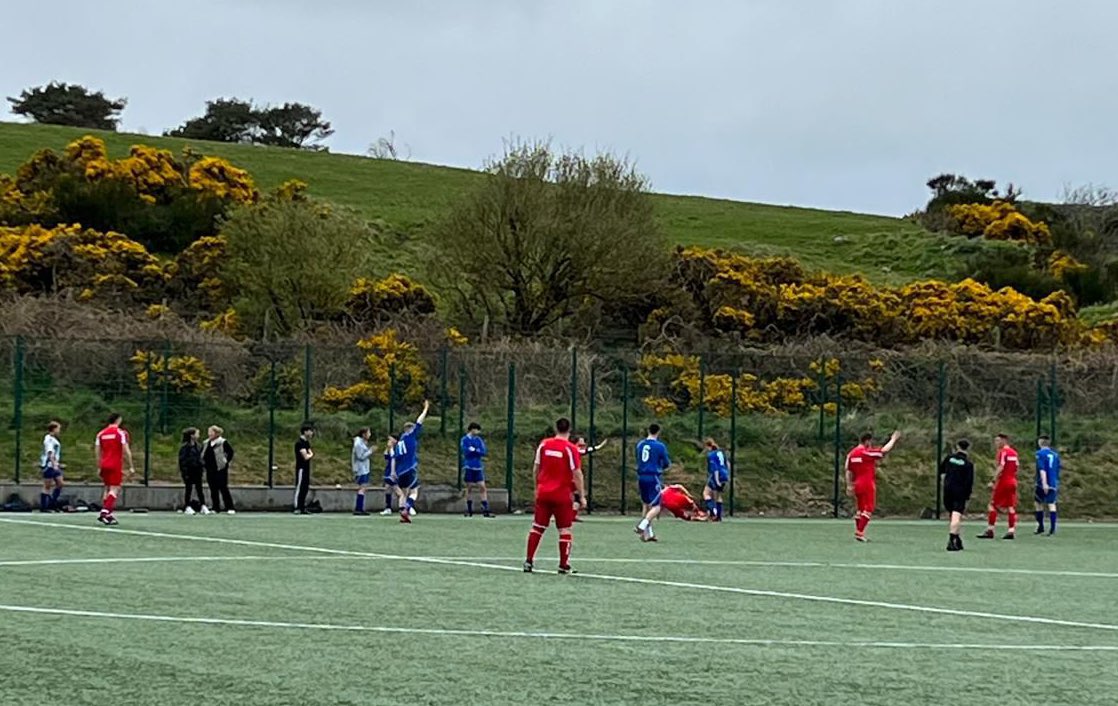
x=407 y=450
x=1048 y=460
x=652 y=457
x=716 y=465
x=473 y=452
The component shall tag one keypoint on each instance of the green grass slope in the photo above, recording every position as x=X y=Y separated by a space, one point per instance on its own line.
x=408 y=196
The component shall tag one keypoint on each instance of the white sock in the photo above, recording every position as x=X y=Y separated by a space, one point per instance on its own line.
x=643 y=524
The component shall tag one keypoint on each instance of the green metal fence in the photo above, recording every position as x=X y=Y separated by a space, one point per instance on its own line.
x=785 y=418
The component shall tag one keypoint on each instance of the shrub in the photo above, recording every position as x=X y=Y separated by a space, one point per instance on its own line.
x=184 y=373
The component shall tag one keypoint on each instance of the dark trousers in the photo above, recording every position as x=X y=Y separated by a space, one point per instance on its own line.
x=219 y=490
x=193 y=483
x=302 y=486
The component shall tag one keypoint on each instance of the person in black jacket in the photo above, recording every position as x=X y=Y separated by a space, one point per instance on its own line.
x=216 y=456
x=958 y=482
x=190 y=468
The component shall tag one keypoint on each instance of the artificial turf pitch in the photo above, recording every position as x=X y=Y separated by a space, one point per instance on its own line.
x=268 y=609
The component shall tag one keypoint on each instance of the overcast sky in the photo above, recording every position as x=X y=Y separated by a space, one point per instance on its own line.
x=844 y=104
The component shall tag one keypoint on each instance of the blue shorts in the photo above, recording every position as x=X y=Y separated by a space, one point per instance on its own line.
x=650 y=490
x=408 y=480
x=473 y=475
x=717 y=484
x=362 y=479
x=1048 y=498
x=51 y=473
x=389 y=479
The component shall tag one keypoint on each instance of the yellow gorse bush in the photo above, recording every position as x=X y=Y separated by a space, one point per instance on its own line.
x=182 y=373
x=387 y=359
x=216 y=176
x=371 y=299
x=999 y=220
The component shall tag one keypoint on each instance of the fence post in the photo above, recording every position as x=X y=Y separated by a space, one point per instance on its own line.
x=593 y=439
x=733 y=435
x=822 y=397
x=1039 y=406
x=838 y=444
x=163 y=406
x=444 y=394
x=574 y=387
x=1052 y=406
x=17 y=404
x=272 y=424
x=461 y=416
x=307 y=370
x=624 y=430
x=510 y=439
x=391 y=398
x=702 y=394
x=147 y=415
x=939 y=433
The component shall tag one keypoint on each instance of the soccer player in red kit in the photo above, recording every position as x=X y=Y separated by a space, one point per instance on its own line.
x=676 y=500
x=1004 y=497
x=861 y=479
x=111 y=448
x=558 y=464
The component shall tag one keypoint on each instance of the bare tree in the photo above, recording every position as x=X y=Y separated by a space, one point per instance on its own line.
x=386 y=148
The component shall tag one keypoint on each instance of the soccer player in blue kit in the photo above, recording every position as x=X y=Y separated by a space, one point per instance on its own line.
x=652 y=460
x=718 y=475
x=407 y=463
x=473 y=468
x=1047 y=484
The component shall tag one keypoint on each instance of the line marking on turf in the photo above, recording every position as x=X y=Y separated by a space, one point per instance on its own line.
x=159 y=559
x=555 y=635
x=600 y=577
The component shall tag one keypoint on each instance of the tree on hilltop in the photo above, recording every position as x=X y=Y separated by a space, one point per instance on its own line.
x=232 y=120
x=69 y=104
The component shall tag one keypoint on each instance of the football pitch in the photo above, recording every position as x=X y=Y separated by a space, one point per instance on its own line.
x=276 y=609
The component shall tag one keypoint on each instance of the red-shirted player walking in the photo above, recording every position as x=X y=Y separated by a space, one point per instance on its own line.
x=1004 y=497
x=558 y=465
x=861 y=479
x=111 y=449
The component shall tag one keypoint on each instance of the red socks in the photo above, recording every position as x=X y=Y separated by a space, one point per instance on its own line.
x=860 y=523
x=1012 y=521
x=991 y=518
x=534 y=537
x=110 y=503
x=564 y=550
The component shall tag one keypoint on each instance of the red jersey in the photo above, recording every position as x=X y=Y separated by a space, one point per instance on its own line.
x=558 y=459
x=862 y=462
x=112 y=440
x=1007 y=458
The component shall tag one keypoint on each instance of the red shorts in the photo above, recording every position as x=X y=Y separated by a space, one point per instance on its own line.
x=559 y=507
x=1005 y=495
x=676 y=503
x=112 y=476
x=866 y=496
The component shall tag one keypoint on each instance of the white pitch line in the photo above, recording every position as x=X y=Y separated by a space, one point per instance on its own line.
x=581 y=637
x=600 y=577
x=158 y=559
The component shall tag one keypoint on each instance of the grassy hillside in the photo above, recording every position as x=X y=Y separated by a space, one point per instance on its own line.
x=408 y=196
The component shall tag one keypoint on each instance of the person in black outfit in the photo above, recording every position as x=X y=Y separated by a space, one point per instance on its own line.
x=958 y=482
x=190 y=468
x=303 y=456
x=217 y=455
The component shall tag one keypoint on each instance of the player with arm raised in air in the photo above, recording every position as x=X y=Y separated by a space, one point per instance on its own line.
x=861 y=479
x=407 y=463
x=584 y=450
x=557 y=466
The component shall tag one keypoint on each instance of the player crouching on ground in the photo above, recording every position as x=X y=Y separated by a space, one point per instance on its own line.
x=958 y=482
x=676 y=500
x=558 y=465
x=861 y=479
x=718 y=475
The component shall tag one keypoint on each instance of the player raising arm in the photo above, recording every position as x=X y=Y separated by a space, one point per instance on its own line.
x=1004 y=497
x=861 y=478
x=557 y=466
x=407 y=463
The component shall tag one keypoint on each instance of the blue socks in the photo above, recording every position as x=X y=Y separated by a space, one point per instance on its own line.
x=1052 y=522
x=388 y=500
x=1039 y=514
x=718 y=510
x=360 y=507
x=44 y=502
x=411 y=503
x=54 y=496
x=469 y=507
x=485 y=506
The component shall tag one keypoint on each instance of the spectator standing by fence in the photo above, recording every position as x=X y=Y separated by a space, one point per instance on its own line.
x=359 y=459
x=191 y=468
x=216 y=458
x=303 y=456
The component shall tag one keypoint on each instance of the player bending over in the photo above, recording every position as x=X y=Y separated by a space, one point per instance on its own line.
x=958 y=482
x=1047 y=484
x=407 y=464
x=718 y=475
x=861 y=479
x=1004 y=485
x=110 y=450
x=473 y=468
x=558 y=465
